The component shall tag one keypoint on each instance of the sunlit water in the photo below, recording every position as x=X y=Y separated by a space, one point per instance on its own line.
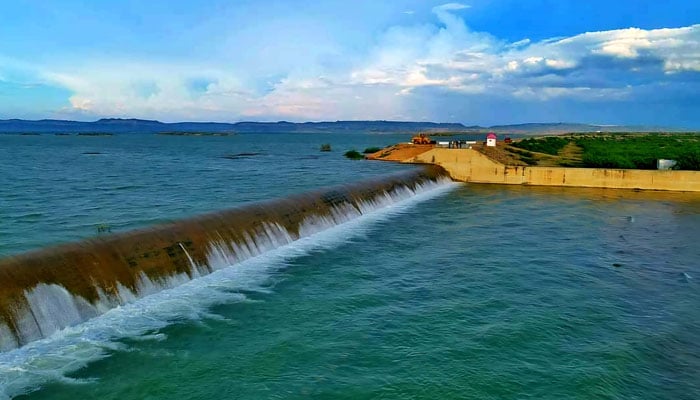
x=469 y=291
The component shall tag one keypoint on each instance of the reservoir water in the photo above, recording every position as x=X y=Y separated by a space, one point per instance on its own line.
x=462 y=291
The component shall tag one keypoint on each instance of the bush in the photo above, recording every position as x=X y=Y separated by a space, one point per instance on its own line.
x=354 y=155
x=371 y=150
x=640 y=151
x=689 y=160
x=606 y=160
x=548 y=145
x=528 y=160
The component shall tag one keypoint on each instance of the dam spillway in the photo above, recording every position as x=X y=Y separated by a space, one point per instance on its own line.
x=47 y=290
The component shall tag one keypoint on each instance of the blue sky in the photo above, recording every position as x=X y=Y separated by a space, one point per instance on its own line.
x=476 y=62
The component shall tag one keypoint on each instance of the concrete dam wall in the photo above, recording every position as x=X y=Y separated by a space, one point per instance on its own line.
x=468 y=165
x=47 y=290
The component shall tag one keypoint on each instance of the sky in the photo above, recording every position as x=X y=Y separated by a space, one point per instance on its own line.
x=478 y=62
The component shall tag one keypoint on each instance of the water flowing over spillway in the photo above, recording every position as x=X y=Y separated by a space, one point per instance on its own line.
x=44 y=291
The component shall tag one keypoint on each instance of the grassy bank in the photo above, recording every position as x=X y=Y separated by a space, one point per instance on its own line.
x=623 y=150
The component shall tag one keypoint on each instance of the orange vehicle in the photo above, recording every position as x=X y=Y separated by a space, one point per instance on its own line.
x=421 y=138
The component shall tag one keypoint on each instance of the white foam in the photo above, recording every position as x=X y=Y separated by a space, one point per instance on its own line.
x=54 y=308
x=7 y=339
x=179 y=297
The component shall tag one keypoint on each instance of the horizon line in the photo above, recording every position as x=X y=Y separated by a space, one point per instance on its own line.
x=117 y=119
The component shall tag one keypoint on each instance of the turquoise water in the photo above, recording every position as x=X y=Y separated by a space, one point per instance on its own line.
x=474 y=291
x=61 y=188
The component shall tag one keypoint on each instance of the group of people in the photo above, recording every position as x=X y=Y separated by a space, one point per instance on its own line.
x=457 y=144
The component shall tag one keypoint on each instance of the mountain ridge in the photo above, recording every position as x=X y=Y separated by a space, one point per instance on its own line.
x=135 y=125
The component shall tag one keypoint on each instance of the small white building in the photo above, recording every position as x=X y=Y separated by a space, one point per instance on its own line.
x=665 y=164
x=491 y=140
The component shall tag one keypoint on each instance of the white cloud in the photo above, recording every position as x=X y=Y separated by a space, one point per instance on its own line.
x=519 y=43
x=385 y=81
x=580 y=93
x=319 y=100
x=457 y=59
x=450 y=7
x=117 y=89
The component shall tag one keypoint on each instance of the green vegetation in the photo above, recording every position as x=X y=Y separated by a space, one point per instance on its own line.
x=326 y=147
x=548 y=145
x=621 y=150
x=690 y=160
x=354 y=155
x=640 y=151
x=371 y=150
x=523 y=155
x=103 y=228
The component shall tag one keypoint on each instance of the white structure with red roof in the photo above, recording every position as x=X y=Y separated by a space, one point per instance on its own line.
x=491 y=140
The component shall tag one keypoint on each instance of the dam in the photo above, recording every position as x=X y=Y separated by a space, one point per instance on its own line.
x=470 y=165
x=47 y=290
x=508 y=284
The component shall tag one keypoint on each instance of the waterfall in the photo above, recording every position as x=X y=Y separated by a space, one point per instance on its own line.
x=47 y=290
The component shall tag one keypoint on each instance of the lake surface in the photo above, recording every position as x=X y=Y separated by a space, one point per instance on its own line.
x=469 y=291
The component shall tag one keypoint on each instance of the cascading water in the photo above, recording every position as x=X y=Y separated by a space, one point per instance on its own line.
x=44 y=291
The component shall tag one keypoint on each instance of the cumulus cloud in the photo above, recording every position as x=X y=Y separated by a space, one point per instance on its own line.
x=600 y=64
x=149 y=90
x=404 y=65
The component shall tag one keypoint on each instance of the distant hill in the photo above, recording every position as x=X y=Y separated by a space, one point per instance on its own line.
x=107 y=125
x=351 y=126
x=560 y=127
x=116 y=125
x=125 y=126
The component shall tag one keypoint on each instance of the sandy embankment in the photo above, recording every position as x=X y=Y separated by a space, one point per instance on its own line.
x=401 y=152
x=491 y=165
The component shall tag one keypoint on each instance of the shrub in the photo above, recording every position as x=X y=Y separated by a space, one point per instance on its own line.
x=354 y=155
x=548 y=145
x=606 y=160
x=528 y=160
x=640 y=151
x=371 y=150
x=689 y=160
